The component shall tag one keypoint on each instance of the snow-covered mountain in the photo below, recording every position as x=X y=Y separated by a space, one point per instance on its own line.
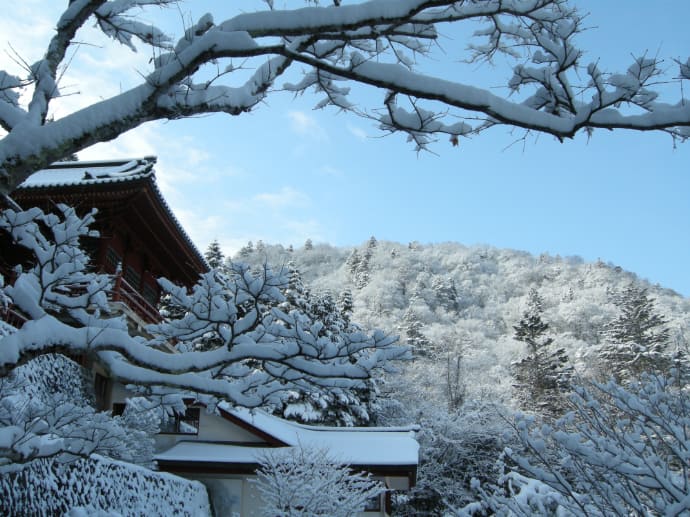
x=457 y=305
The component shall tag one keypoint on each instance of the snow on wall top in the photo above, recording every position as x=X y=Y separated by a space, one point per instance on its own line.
x=389 y=446
x=62 y=174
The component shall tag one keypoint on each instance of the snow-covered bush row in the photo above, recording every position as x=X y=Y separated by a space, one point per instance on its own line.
x=47 y=408
x=50 y=487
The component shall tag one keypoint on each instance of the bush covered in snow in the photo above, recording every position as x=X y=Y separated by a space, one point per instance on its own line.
x=98 y=484
x=620 y=451
x=308 y=482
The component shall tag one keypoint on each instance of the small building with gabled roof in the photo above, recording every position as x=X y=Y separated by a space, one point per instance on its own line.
x=224 y=451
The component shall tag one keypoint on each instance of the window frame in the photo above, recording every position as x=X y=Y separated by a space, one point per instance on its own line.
x=192 y=416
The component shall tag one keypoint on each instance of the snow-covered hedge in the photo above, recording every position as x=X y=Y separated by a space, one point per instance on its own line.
x=48 y=487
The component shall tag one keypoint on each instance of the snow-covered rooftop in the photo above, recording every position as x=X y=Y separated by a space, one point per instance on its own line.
x=382 y=446
x=64 y=174
x=100 y=172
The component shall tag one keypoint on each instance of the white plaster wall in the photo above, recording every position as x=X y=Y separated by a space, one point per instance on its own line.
x=211 y=428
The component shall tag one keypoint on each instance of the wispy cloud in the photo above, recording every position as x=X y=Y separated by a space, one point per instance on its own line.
x=304 y=124
x=284 y=198
x=358 y=132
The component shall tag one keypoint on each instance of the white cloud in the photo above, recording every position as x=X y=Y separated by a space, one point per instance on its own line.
x=358 y=132
x=307 y=125
x=284 y=198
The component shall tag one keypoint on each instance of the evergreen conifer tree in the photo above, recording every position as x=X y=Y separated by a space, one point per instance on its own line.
x=542 y=375
x=412 y=327
x=636 y=341
x=346 y=304
x=247 y=250
x=214 y=255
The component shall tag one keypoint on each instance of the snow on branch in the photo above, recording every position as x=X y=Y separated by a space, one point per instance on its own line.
x=620 y=451
x=258 y=353
x=304 y=481
x=380 y=43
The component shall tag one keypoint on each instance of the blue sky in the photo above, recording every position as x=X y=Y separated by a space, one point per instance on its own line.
x=286 y=173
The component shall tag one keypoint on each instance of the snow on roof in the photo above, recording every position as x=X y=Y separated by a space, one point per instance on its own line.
x=64 y=174
x=213 y=452
x=98 y=172
x=381 y=446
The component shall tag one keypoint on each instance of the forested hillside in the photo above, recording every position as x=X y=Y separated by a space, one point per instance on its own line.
x=449 y=301
x=492 y=332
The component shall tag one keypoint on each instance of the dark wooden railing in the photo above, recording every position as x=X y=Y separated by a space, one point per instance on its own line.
x=125 y=293
x=12 y=317
x=121 y=292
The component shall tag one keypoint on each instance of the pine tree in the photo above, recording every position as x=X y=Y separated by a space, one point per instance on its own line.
x=247 y=250
x=412 y=327
x=214 y=255
x=308 y=245
x=543 y=374
x=346 y=304
x=446 y=293
x=637 y=339
x=345 y=407
x=358 y=267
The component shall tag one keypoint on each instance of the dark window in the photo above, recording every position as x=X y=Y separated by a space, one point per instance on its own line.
x=132 y=277
x=119 y=408
x=373 y=504
x=101 y=385
x=187 y=423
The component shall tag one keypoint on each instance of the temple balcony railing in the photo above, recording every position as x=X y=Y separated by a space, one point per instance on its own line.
x=134 y=304
x=123 y=298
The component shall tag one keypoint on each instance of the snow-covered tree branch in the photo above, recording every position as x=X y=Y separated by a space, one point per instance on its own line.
x=261 y=351
x=380 y=43
x=621 y=451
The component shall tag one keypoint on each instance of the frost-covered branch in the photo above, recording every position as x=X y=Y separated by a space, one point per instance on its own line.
x=46 y=411
x=261 y=352
x=621 y=451
x=380 y=43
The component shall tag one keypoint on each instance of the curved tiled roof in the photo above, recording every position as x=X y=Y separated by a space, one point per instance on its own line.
x=102 y=172
x=64 y=174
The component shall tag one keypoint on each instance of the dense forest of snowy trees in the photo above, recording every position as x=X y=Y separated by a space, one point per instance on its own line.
x=493 y=332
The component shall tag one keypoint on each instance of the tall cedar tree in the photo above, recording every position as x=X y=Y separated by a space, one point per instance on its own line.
x=214 y=255
x=543 y=375
x=636 y=341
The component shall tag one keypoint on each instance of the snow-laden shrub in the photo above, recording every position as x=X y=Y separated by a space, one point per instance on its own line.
x=46 y=409
x=309 y=482
x=98 y=486
x=621 y=451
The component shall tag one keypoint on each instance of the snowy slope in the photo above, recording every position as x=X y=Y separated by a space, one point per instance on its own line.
x=467 y=300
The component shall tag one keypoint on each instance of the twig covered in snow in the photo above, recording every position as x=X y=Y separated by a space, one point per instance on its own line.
x=379 y=43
